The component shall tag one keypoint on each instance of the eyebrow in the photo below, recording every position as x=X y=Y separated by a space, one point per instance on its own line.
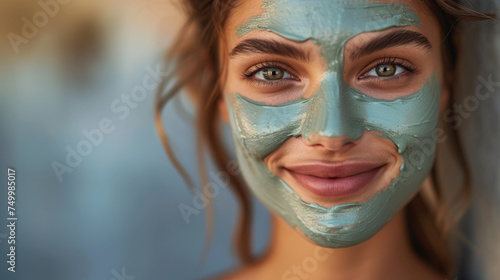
x=252 y=46
x=393 y=39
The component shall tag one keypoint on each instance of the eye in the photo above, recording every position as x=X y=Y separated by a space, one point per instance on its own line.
x=385 y=70
x=269 y=72
x=272 y=74
x=389 y=68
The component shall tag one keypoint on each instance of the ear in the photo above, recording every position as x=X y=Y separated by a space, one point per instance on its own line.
x=444 y=102
x=223 y=114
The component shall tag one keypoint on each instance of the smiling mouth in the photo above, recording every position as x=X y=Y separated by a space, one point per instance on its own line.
x=335 y=179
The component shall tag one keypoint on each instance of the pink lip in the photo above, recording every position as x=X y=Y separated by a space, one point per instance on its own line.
x=335 y=179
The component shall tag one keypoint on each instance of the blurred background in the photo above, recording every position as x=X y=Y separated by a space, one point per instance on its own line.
x=110 y=211
x=96 y=196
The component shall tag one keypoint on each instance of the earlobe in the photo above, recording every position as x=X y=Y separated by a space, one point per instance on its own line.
x=223 y=114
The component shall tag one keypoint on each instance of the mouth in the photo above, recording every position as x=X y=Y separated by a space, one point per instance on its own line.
x=335 y=179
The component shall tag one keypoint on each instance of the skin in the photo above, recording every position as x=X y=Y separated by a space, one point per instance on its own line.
x=283 y=261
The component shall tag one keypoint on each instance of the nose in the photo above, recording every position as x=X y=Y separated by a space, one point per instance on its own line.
x=334 y=144
x=332 y=123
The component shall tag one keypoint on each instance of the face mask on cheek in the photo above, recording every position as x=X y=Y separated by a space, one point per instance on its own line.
x=335 y=110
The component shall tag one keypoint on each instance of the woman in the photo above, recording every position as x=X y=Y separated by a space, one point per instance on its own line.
x=334 y=109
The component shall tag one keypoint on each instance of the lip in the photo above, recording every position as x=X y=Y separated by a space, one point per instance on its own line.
x=335 y=179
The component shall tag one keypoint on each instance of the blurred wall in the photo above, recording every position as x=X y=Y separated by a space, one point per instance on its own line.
x=104 y=206
x=478 y=86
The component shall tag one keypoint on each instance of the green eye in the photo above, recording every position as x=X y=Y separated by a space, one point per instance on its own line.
x=273 y=73
x=386 y=70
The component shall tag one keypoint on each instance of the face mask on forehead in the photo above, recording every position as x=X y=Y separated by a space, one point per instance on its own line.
x=335 y=110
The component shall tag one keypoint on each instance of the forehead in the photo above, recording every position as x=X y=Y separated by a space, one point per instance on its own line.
x=329 y=23
x=323 y=19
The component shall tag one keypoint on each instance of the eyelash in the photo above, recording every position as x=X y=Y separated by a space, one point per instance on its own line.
x=391 y=60
x=248 y=75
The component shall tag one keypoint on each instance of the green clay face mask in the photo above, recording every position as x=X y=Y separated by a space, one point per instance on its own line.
x=335 y=110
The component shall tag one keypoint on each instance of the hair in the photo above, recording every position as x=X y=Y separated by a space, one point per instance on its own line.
x=197 y=66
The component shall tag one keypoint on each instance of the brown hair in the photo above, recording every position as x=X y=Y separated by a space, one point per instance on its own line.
x=197 y=65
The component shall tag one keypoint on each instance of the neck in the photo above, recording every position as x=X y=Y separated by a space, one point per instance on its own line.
x=387 y=255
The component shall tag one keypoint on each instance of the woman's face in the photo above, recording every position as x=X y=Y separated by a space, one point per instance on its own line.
x=333 y=107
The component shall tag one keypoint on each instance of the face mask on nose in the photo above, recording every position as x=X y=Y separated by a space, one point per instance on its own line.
x=335 y=110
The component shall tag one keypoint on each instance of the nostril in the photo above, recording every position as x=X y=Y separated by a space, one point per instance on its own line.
x=307 y=140
x=334 y=143
x=311 y=140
